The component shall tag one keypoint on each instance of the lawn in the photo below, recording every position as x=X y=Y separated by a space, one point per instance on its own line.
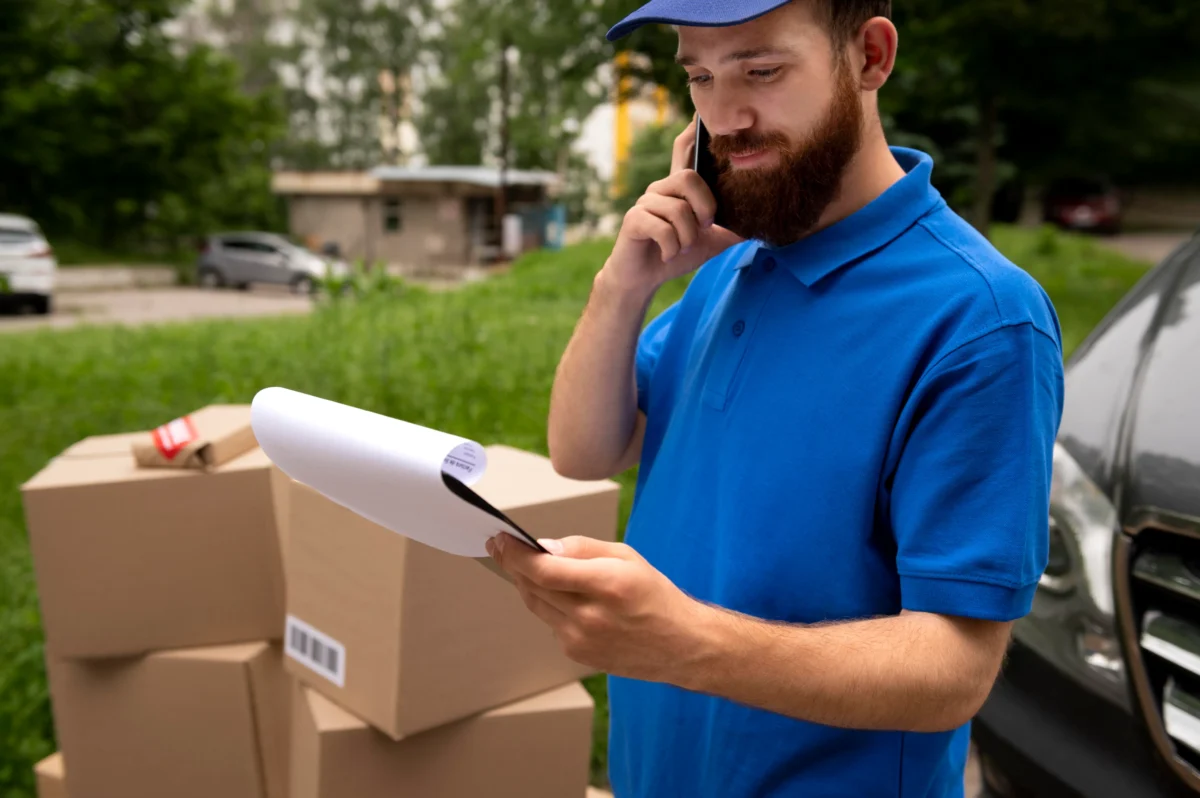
x=478 y=362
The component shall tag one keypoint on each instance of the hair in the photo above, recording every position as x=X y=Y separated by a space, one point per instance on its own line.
x=843 y=18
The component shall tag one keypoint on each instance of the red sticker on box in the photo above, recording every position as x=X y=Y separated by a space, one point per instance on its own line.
x=170 y=438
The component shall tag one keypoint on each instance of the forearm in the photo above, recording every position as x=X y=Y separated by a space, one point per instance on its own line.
x=593 y=405
x=913 y=672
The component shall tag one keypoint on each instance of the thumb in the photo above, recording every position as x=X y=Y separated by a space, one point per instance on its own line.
x=581 y=547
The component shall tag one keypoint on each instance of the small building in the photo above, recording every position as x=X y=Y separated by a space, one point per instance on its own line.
x=418 y=219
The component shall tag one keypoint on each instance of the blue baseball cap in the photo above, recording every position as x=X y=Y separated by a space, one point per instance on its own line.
x=694 y=13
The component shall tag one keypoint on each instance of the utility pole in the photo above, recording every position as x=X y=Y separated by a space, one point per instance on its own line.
x=502 y=188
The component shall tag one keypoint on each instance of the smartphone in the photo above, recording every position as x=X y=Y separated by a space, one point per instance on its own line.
x=706 y=165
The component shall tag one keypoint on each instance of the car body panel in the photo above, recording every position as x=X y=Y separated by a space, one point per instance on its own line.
x=1160 y=467
x=27 y=264
x=1131 y=422
x=241 y=258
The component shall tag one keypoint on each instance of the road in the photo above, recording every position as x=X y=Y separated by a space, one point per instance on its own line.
x=1150 y=247
x=157 y=305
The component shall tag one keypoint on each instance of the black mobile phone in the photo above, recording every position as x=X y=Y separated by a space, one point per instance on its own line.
x=706 y=165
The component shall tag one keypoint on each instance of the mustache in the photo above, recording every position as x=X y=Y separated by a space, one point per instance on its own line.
x=745 y=142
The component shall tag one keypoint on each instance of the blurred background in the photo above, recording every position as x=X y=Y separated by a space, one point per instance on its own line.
x=132 y=128
x=433 y=184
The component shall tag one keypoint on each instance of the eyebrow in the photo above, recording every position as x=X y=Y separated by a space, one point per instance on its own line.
x=740 y=55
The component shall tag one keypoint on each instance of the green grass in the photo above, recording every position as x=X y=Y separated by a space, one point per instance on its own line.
x=478 y=362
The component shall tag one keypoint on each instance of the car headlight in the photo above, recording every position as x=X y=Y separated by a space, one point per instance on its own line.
x=1083 y=523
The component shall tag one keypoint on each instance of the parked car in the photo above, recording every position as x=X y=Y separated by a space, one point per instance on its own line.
x=27 y=264
x=240 y=259
x=1090 y=204
x=1100 y=693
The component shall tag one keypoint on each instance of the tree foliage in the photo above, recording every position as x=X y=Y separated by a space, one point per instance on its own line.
x=114 y=136
x=554 y=48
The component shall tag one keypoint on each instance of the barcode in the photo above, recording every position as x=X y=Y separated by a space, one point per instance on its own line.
x=318 y=651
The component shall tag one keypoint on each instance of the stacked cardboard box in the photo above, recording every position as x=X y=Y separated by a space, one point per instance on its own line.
x=402 y=670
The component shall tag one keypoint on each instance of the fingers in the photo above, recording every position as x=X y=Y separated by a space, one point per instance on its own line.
x=684 y=227
x=673 y=213
x=683 y=150
x=538 y=604
x=581 y=547
x=642 y=225
x=560 y=574
x=689 y=186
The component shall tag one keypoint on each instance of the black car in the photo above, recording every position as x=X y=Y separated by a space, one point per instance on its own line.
x=1100 y=693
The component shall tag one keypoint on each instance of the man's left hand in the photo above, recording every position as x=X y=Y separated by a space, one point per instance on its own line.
x=608 y=607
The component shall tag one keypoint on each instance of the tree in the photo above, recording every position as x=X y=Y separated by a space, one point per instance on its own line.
x=553 y=50
x=1052 y=88
x=115 y=138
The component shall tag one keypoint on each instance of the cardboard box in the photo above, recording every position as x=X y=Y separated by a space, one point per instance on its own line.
x=192 y=723
x=204 y=439
x=408 y=637
x=51 y=780
x=106 y=445
x=130 y=560
x=536 y=748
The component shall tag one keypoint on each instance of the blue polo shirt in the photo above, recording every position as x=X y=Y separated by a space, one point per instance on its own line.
x=855 y=424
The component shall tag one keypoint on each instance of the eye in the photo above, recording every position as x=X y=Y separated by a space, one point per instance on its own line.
x=766 y=73
x=697 y=79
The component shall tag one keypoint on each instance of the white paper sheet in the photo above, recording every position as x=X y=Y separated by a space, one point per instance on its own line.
x=386 y=470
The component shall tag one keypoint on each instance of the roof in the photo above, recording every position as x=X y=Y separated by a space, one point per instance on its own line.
x=476 y=175
x=354 y=183
x=369 y=183
x=12 y=221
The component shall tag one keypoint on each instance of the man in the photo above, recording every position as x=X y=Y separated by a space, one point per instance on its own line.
x=845 y=431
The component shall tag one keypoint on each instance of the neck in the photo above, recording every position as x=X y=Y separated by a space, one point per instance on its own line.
x=872 y=171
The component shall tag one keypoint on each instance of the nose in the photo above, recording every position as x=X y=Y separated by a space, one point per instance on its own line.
x=723 y=112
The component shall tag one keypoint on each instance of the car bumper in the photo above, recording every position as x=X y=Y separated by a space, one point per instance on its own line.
x=1053 y=737
x=27 y=277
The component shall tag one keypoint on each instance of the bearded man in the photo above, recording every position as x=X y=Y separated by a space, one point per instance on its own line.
x=845 y=432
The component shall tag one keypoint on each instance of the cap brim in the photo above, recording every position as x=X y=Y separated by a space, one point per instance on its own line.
x=694 y=13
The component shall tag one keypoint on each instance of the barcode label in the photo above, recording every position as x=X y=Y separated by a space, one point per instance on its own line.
x=317 y=651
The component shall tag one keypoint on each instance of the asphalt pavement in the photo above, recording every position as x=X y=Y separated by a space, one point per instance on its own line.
x=136 y=306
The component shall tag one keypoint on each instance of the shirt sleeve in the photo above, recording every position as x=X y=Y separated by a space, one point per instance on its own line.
x=970 y=496
x=650 y=345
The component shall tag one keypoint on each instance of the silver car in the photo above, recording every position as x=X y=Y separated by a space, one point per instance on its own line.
x=240 y=259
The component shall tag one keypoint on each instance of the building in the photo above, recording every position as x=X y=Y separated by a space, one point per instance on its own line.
x=416 y=219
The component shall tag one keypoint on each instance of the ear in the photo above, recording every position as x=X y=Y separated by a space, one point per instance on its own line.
x=877 y=41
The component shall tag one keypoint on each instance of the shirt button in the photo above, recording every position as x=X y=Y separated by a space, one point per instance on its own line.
x=769 y=265
x=739 y=327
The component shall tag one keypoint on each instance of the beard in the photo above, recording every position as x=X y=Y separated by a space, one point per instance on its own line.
x=781 y=204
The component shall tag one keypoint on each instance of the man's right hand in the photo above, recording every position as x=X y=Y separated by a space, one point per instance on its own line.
x=669 y=232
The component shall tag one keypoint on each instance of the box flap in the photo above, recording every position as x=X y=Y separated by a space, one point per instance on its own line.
x=50 y=777
x=51 y=766
x=203 y=439
x=327 y=716
x=569 y=696
x=106 y=445
x=515 y=478
x=242 y=653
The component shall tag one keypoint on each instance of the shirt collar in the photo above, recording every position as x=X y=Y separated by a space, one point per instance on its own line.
x=870 y=228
